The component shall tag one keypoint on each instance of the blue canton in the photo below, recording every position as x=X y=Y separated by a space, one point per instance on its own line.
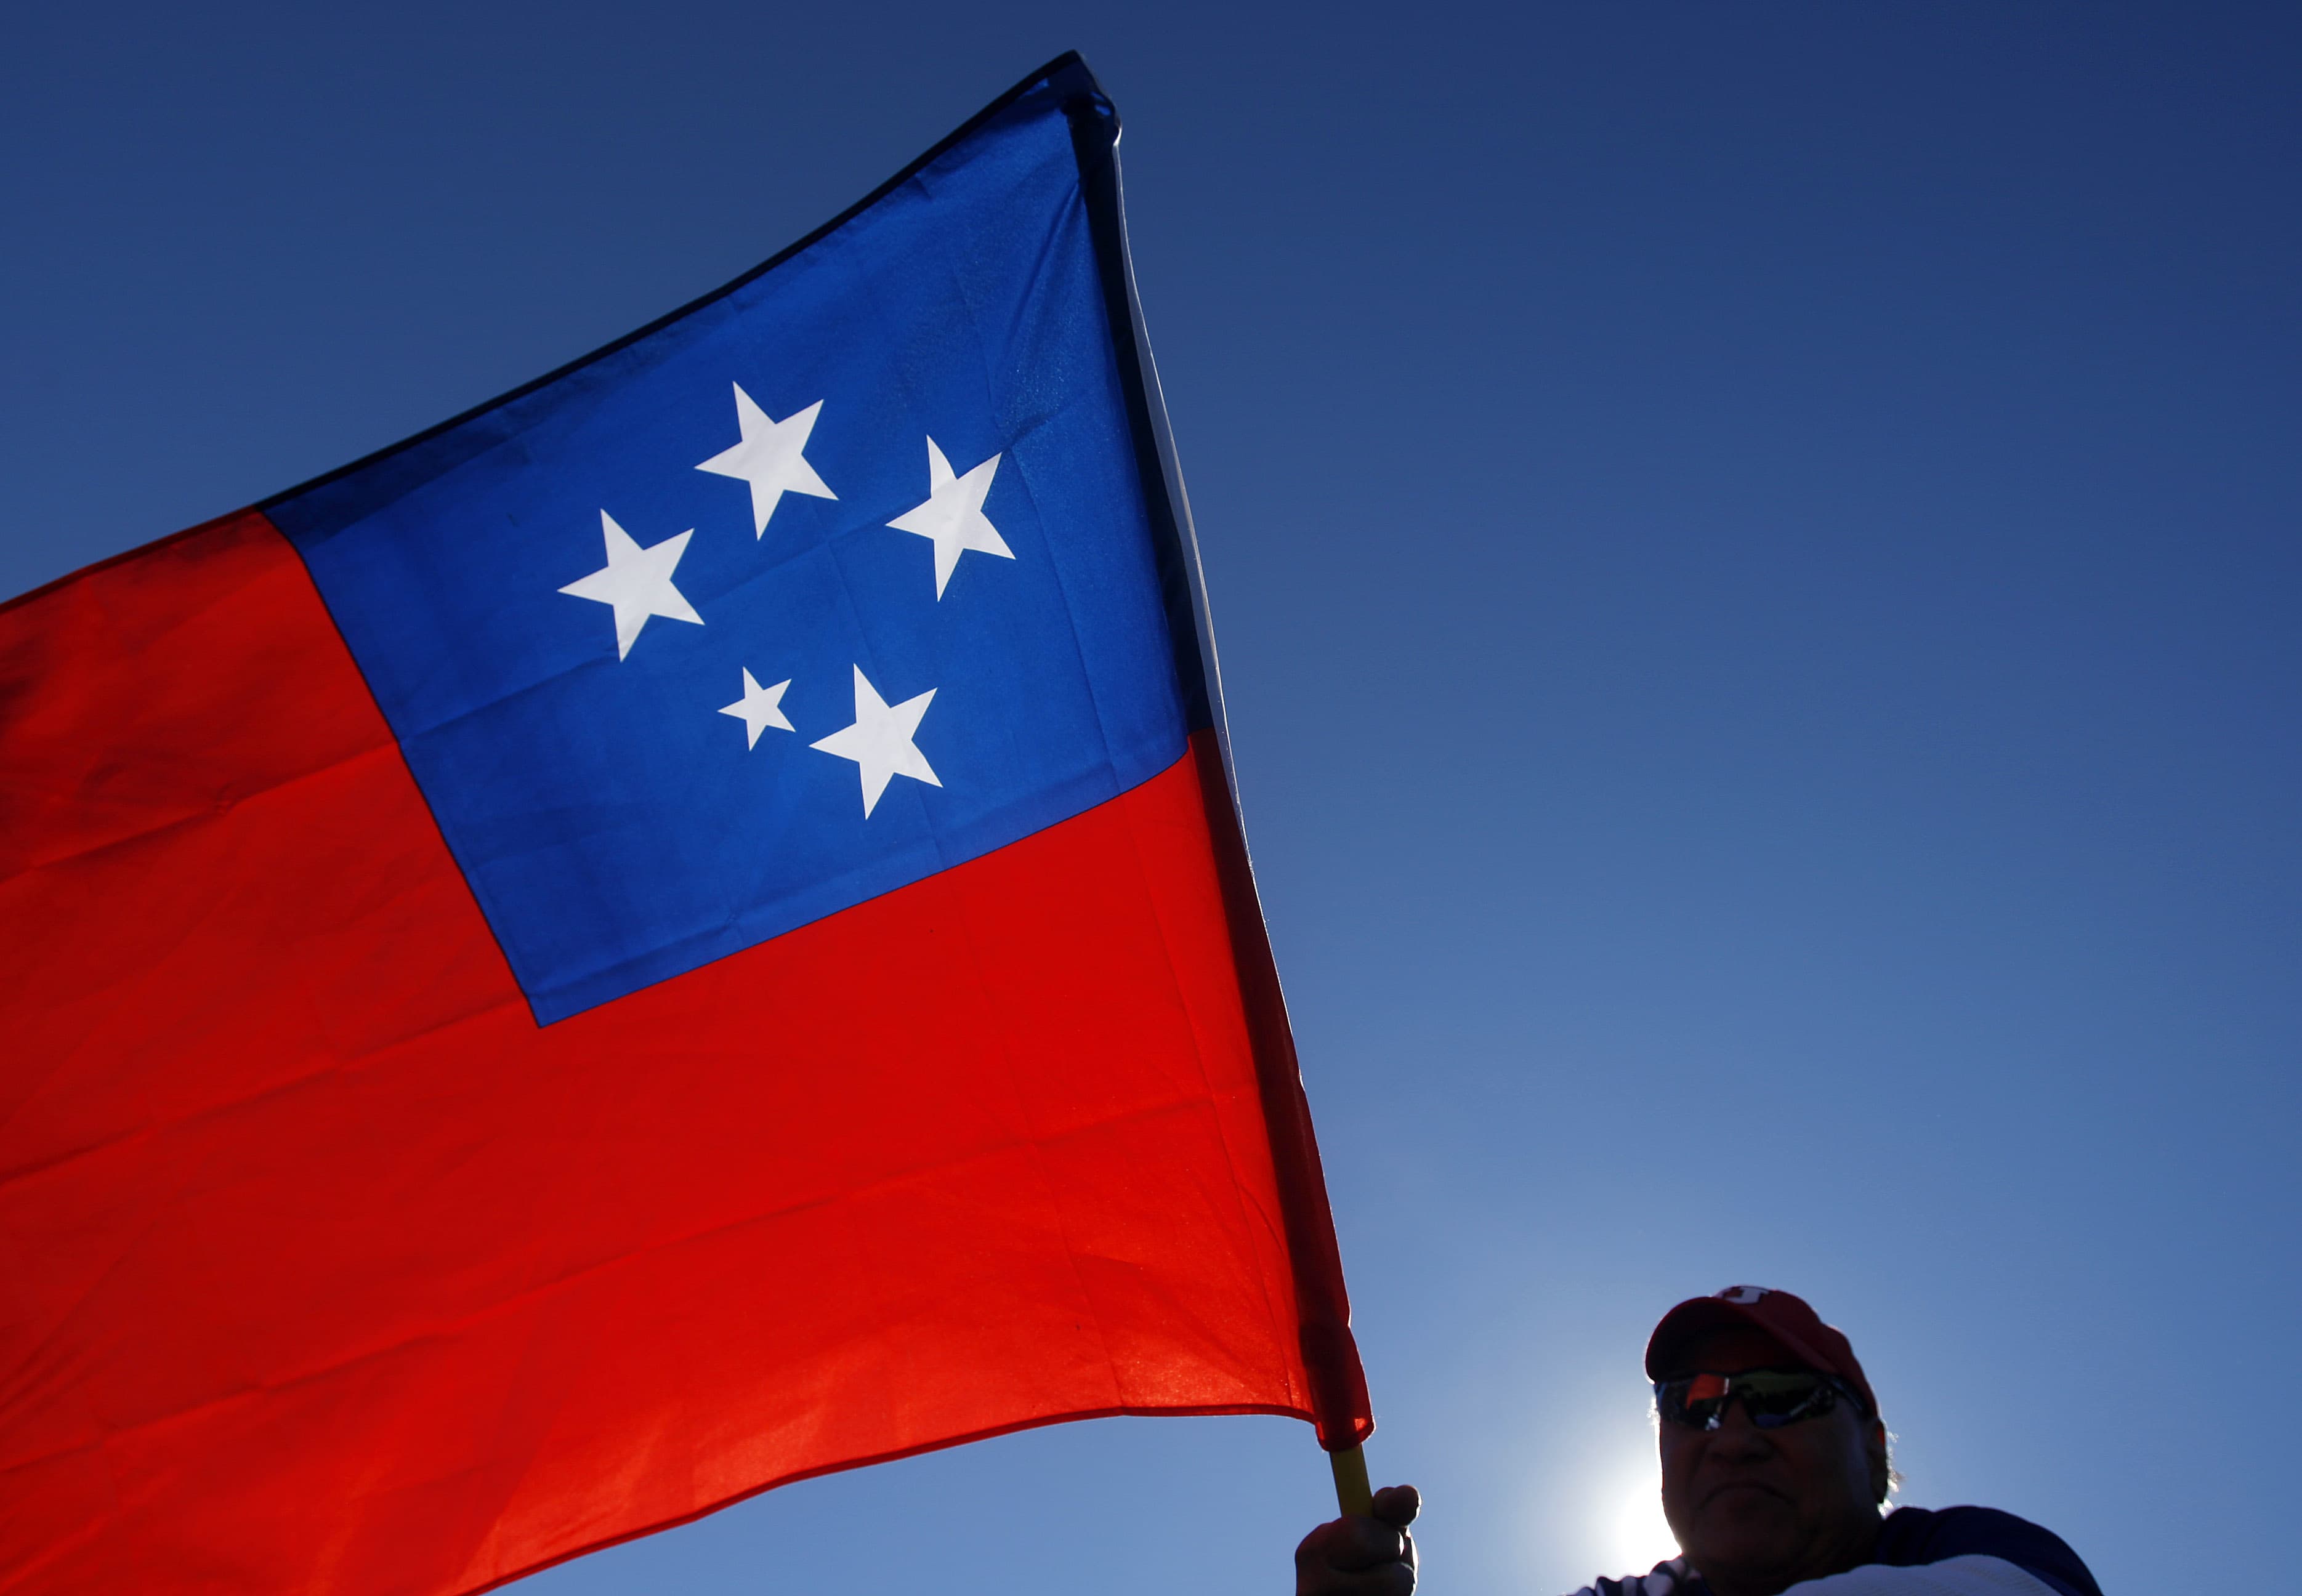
x=649 y=633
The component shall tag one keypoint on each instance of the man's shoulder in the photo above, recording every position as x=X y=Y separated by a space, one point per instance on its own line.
x=1671 y=1577
x=1911 y=1536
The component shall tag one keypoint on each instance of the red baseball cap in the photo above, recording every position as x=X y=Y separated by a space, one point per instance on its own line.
x=1797 y=1328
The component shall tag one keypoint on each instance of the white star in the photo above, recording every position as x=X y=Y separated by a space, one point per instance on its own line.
x=770 y=458
x=637 y=582
x=953 y=516
x=880 y=741
x=758 y=709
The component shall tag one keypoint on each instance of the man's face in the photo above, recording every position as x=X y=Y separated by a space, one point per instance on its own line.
x=1756 y=1510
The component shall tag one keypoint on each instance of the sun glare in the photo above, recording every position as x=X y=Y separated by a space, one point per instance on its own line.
x=1642 y=1537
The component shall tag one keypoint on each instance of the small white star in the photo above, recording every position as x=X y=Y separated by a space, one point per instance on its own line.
x=758 y=709
x=769 y=458
x=952 y=517
x=880 y=741
x=636 y=582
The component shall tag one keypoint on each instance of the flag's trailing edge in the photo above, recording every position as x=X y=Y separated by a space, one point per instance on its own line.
x=685 y=929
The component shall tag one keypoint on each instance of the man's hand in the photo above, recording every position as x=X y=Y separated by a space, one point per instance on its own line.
x=1362 y=1557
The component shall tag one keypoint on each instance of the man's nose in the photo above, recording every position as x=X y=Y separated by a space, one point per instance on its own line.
x=1737 y=1436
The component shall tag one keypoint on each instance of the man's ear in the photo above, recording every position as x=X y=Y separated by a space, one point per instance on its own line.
x=1882 y=1471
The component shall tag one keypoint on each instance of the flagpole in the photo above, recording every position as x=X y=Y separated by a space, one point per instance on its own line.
x=1337 y=1385
x=1352 y=1492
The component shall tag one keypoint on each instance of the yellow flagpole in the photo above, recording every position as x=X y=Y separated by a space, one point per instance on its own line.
x=1353 y=1494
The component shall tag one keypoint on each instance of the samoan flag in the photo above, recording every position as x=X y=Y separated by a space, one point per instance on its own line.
x=681 y=931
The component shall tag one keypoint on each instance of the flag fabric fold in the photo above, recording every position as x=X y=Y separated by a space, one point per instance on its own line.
x=682 y=930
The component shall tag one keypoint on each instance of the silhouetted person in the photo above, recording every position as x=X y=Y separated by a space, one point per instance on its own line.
x=1774 y=1476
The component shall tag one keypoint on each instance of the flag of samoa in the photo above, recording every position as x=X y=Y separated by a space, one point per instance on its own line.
x=680 y=930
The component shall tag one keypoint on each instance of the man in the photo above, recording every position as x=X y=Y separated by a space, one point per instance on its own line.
x=1773 y=1471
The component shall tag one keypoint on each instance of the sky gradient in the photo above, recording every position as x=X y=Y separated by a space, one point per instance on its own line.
x=1755 y=556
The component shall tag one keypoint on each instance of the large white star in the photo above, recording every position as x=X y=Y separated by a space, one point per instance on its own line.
x=769 y=458
x=880 y=741
x=953 y=516
x=636 y=582
x=758 y=709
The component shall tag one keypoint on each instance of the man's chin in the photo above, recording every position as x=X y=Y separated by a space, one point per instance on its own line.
x=1745 y=1527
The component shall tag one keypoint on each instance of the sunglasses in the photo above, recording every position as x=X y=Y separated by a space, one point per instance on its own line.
x=1770 y=1397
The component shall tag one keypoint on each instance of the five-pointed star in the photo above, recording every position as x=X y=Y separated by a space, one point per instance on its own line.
x=880 y=741
x=953 y=516
x=769 y=458
x=758 y=709
x=637 y=582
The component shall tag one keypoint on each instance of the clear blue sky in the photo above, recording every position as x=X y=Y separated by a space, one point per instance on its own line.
x=1756 y=553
